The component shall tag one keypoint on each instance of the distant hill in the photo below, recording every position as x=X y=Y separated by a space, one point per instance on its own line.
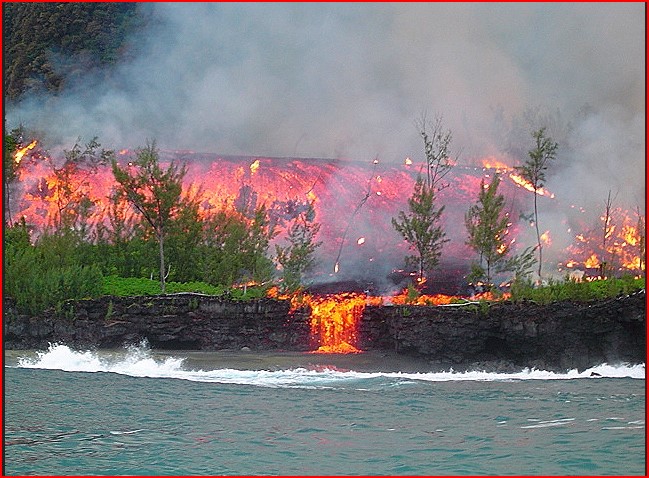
x=48 y=44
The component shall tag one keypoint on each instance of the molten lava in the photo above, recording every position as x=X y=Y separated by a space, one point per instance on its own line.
x=334 y=321
x=499 y=166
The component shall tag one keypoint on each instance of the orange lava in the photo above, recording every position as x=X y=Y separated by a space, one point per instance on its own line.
x=334 y=321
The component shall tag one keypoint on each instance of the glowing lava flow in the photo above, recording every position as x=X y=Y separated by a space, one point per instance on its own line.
x=335 y=319
x=519 y=180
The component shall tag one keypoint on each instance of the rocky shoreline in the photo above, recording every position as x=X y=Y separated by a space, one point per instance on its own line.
x=502 y=336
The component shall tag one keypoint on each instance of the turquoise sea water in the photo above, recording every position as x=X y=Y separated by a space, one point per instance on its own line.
x=141 y=413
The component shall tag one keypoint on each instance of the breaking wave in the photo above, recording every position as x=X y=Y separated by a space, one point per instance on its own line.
x=138 y=361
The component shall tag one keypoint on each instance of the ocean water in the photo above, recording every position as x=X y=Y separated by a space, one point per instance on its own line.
x=142 y=412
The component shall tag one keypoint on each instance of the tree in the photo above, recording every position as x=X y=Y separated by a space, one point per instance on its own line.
x=607 y=266
x=437 y=146
x=184 y=237
x=420 y=226
x=47 y=45
x=12 y=144
x=153 y=192
x=224 y=233
x=533 y=171
x=487 y=225
x=641 y=233
x=234 y=247
x=296 y=258
x=70 y=188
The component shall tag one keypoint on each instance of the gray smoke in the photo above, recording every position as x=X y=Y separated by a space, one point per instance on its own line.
x=349 y=80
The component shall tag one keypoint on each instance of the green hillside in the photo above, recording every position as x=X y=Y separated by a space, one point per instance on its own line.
x=47 y=44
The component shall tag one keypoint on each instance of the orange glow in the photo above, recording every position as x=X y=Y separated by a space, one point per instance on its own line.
x=334 y=321
x=620 y=245
x=47 y=193
x=493 y=163
x=436 y=299
x=18 y=156
x=254 y=166
x=408 y=162
x=440 y=299
x=527 y=185
x=545 y=237
x=592 y=262
x=630 y=235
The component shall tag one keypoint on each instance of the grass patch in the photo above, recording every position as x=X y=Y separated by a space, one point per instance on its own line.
x=577 y=291
x=135 y=286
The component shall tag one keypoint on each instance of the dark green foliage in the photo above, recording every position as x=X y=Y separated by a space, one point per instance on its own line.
x=184 y=237
x=48 y=273
x=533 y=170
x=486 y=225
x=296 y=258
x=412 y=294
x=420 y=228
x=16 y=237
x=154 y=193
x=256 y=264
x=576 y=291
x=47 y=45
x=235 y=246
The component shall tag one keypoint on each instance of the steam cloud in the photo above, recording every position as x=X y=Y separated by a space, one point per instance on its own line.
x=348 y=80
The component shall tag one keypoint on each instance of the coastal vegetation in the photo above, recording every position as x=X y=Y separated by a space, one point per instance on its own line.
x=58 y=267
x=153 y=229
x=581 y=291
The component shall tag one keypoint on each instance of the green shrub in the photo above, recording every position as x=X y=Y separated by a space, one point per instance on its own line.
x=576 y=291
x=36 y=284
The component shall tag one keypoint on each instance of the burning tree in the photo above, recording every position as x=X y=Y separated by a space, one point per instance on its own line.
x=14 y=151
x=153 y=192
x=70 y=186
x=533 y=171
x=487 y=226
x=614 y=246
x=420 y=227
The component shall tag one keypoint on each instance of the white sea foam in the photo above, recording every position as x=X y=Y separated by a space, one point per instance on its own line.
x=139 y=362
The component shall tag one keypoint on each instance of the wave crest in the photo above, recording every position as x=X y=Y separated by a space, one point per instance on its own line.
x=138 y=361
